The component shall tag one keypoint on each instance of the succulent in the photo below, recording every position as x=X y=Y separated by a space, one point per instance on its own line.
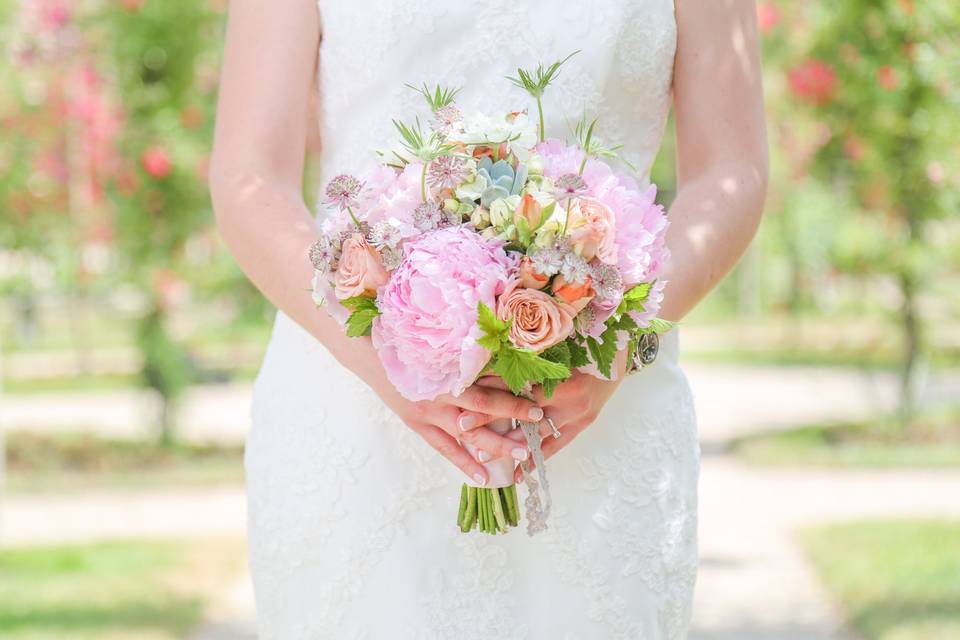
x=502 y=180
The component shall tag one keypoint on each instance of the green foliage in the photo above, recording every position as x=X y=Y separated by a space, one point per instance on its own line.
x=535 y=82
x=439 y=97
x=364 y=311
x=519 y=367
x=495 y=332
x=604 y=351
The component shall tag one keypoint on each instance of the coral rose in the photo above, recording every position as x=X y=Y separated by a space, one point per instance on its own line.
x=361 y=270
x=592 y=230
x=576 y=295
x=530 y=277
x=539 y=321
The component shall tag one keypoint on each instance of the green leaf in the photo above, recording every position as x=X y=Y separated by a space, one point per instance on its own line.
x=623 y=323
x=360 y=322
x=523 y=232
x=358 y=303
x=490 y=343
x=559 y=352
x=495 y=331
x=578 y=355
x=545 y=214
x=488 y=321
x=658 y=325
x=638 y=293
x=549 y=386
x=517 y=367
x=604 y=351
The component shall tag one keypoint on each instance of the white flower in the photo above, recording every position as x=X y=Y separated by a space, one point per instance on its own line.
x=473 y=189
x=501 y=210
x=479 y=128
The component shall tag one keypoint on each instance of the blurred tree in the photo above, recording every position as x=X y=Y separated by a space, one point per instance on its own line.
x=108 y=121
x=160 y=57
x=879 y=80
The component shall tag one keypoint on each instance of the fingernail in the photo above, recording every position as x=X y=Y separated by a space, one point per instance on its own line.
x=482 y=455
x=535 y=414
x=479 y=479
x=520 y=453
x=466 y=421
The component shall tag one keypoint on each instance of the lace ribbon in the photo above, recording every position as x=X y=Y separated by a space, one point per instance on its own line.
x=537 y=510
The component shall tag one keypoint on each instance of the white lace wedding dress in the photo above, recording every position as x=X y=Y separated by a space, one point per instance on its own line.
x=352 y=528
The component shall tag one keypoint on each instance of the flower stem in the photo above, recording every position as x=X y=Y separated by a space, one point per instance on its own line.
x=540 y=111
x=423 y=181
x=353 y=217
x=510 y=495
x=463 y=503
x=498 y=515
x=583 y=164
x=566 y=218
x=471 y=517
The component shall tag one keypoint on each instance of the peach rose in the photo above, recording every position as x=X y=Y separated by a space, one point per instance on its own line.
x=539 y=321
x=530 y=278
x=529 y=210
x=592 y=230
x=361 y=269
x=576 y=295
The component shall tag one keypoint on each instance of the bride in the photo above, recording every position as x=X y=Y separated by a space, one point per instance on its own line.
x=351 y=488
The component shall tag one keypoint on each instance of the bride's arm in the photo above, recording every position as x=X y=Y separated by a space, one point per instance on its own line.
x=721 y=147
x=255 y=182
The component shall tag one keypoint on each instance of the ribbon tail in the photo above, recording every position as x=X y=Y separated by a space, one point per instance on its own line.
x=538 y=501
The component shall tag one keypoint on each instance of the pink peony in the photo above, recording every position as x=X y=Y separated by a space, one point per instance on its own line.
x=392 y=195
x=538 y=321
x=361 y=270
x=641 y=229
x=641 y=225
x=427 y=330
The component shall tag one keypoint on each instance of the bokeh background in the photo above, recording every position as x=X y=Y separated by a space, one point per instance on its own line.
x=826 y=367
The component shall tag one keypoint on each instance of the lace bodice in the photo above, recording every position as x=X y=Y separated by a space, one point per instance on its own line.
x=370 y=49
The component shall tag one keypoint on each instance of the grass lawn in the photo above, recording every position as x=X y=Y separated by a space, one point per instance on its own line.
x=933 y=441
x=133 y=590
x=895 y=580
x=64 y=462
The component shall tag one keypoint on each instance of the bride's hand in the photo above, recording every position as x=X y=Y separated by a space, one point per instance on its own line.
x=444 y=421
x=447 y=419
x=574 y=406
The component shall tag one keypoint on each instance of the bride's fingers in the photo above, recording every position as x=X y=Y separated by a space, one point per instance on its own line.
x=471 y=419
x=494 y=402
x=490 y=445
x=493 y=382
x=447 y=446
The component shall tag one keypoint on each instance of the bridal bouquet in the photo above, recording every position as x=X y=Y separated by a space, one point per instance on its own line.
x=480 y=247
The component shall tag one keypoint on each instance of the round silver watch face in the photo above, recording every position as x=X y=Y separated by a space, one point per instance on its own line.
x=647 y=348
